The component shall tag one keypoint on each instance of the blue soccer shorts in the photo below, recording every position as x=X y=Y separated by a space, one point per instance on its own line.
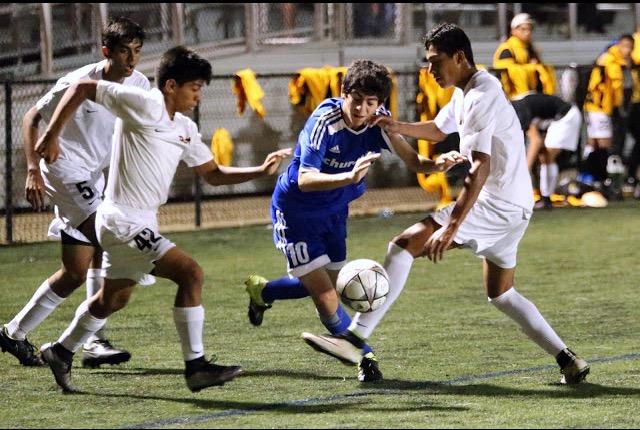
x=310 y=242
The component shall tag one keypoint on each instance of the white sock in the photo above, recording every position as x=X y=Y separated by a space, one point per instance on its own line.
x=397 y=263
x=190 y=324
x=525 y=313
x=81 y=328
x=548 y=179
x=42 y=303
x=95 y=281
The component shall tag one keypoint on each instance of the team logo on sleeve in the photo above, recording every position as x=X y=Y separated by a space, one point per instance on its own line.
x=185 y=140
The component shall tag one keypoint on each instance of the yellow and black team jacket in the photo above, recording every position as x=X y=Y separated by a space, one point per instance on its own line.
x=635 y=72
x=431 y=98
x=310 y=86
x=247 y=89
x=222 y=147
x=605 y=88
x=519 y=75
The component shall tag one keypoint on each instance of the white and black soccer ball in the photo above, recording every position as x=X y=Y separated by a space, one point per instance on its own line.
x=363 y=285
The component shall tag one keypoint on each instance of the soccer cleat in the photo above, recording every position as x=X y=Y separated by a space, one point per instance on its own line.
x=23 y=350
x=59 y=361
x=344 y=347
x=201 y=373
x=100 y=351
x=543 y=203
x=574 y=370
x=368 y=370
x=257 y=306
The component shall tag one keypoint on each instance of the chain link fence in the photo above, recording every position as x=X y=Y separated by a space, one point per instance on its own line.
x=46 y=38
x=253 y=138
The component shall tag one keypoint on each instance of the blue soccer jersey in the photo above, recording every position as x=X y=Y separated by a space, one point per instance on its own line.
x=327 y=145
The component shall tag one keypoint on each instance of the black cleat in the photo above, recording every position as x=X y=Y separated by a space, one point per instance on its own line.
x=368 y=370
x=23 y=350
x=573 y=368
x=201 y=373
x=100 y=351
x=257 y=306
x=256 y=313
x=59 y=360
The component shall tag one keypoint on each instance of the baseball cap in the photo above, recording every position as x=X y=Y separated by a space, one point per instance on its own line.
x=521 y=18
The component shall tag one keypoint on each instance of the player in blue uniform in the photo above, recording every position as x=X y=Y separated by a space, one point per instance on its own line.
x=310 y=203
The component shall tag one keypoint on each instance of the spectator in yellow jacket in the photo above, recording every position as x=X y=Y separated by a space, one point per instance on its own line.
x=604 y=100
x=633 y=162
x=521 y=63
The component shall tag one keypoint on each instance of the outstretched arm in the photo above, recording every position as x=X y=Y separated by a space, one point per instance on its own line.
x=47 y=146
x=420 y=164
x=34 y=186
x=317 y=181
x=427 y=130
x=215 y=174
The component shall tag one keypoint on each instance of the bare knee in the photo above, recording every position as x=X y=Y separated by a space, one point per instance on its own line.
x=410 y=242
x=65 y=281
x=414 y=238
x=192 y=276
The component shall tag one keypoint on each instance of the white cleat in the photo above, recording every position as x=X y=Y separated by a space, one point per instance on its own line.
x=335 y=346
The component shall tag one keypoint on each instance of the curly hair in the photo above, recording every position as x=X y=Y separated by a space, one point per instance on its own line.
x=368 y=78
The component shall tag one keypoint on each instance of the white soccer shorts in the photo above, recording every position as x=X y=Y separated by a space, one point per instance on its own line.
x=73 y=203
x=130 y=240
x=565 y=132
x=599 y=125
x=492 y=229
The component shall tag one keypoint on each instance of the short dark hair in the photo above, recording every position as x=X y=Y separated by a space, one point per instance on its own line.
x=368 y=78
x=449 y=38
x=121 y=31
x=627 y=36
x=183 y=65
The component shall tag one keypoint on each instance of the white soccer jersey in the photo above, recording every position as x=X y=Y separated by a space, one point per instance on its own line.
x=85 y=141
x=488 y=123
x=147 y=146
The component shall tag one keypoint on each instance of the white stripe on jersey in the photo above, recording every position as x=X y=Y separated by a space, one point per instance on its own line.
x=325 y=119
x=280 y=227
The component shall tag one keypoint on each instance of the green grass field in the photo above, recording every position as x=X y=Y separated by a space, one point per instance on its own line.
x=449 y=358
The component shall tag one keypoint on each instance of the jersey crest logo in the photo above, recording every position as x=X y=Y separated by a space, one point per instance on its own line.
x=335 y=149
x=185 y=140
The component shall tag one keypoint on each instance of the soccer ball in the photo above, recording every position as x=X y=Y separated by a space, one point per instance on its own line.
x=363 y=285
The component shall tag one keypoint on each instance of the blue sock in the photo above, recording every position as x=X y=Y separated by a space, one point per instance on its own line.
x=339 y=323
x=284 y=288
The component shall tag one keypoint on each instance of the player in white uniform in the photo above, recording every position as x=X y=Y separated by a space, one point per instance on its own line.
x=492 y=211
x=75 y=184
x=151 y=137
